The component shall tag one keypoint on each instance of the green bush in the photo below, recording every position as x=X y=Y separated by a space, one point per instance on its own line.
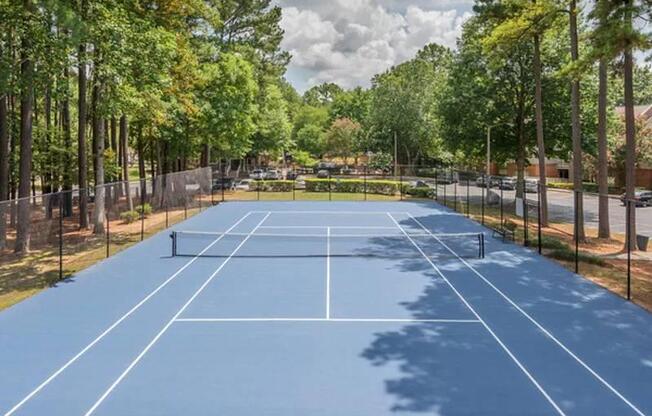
x=586 y=186
x=146 y=209
x=129 y=216
x=272 y=186
x=422 y=192
x=553 y=244
x=380 y=187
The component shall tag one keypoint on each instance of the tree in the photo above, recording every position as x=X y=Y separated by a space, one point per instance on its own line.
x=322 y=94
x=26 y=102
x=341 y=140
x=576 y=130
x=82 y=158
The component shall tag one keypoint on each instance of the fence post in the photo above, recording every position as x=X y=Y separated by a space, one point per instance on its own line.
x=142 y=208
x=628 y=236
x=575 y=232
x=436 y=185
x=486 y=185
x=294 y=190
x=60 y=237
x=222 y=179
x=502 y=204
x=468 y=198
x=400 y=181
x=526 y=242
x=165 y=196
x=330 y=191
x=108 y=235
x=366 y=172
x=200 y=195
x=539 y=190
x=454 y=190
x=445 y=191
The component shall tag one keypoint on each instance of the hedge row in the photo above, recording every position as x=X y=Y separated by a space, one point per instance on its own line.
x=587 y=186
x=380 y=187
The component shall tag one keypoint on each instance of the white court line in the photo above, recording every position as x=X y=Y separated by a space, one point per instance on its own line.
x=361 y=320
x=170 y=322
x=487 y=327
x=535 y=322
x=338 y=212
x=323 y=227
x=328 y=273
x=115 y=324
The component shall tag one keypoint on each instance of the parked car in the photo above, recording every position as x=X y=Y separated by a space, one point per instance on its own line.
x=273 y=174
x=323 y=174
x=494 y=181
x=482 y=181
x=223 y=183
x=642 y=198
x=532 y=186
x=243 y=185
x=447 y=178
x=348 y=171
x=257 y=174
x=508 y=184
x=291 y=175
x=300 y=182
x=420 y=184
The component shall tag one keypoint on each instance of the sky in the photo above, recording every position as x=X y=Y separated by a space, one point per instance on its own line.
x=349 y=41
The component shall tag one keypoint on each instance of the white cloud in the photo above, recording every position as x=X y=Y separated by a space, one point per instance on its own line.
x=349 y=41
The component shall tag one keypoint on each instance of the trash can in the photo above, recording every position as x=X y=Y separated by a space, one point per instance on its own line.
x=642 y=242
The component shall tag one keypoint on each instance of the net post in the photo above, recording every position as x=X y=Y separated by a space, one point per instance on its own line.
x=294 y=189
x=539 y=190
x=173 y=236
x=628 y=236
x=60 y=236
x=481 y=241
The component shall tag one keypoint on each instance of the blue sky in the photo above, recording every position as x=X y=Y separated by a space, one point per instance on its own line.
x=349 y=41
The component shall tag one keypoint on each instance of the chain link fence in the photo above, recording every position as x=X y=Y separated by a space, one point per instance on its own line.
x=61 y=242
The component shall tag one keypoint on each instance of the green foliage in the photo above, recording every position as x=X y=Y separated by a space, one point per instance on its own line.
x=382 y=161
x=303 y=158
x=129 y=217
x=380 y=187
x=342 y=139
x=272 y=186
x=145 y=210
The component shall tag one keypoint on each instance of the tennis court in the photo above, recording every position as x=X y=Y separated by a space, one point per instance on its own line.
x=326 y=308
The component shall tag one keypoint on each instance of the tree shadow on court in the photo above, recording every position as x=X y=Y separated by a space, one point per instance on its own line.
x=437 y=361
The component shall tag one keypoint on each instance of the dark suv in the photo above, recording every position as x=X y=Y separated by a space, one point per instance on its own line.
x=642 y=198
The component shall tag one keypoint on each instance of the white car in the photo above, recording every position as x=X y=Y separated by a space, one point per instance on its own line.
x=257 y=174
x=300 y=182
x=243 y=185
x=531 y=186
x=273 y=175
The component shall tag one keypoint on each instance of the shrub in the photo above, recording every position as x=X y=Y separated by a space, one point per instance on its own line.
x=381 y=187
x=272 y=186
x=422 y=192
x=129 y=216
x=586 y=186
x=144 y=209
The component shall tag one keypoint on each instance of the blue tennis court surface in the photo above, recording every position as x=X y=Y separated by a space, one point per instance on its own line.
x=326 y=308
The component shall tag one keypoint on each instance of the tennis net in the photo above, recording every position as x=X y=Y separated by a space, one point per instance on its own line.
x=263 y=245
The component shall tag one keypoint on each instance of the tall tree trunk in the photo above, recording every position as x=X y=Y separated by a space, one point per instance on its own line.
x=541 y=148
x=4 y=169
x=67 y=145
x=82 y=158
x=630 y=129
x=25 y=164
x=603 y=171
x=205 y=155
x=575 y=125
x=124 y=143
x=98 y=151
